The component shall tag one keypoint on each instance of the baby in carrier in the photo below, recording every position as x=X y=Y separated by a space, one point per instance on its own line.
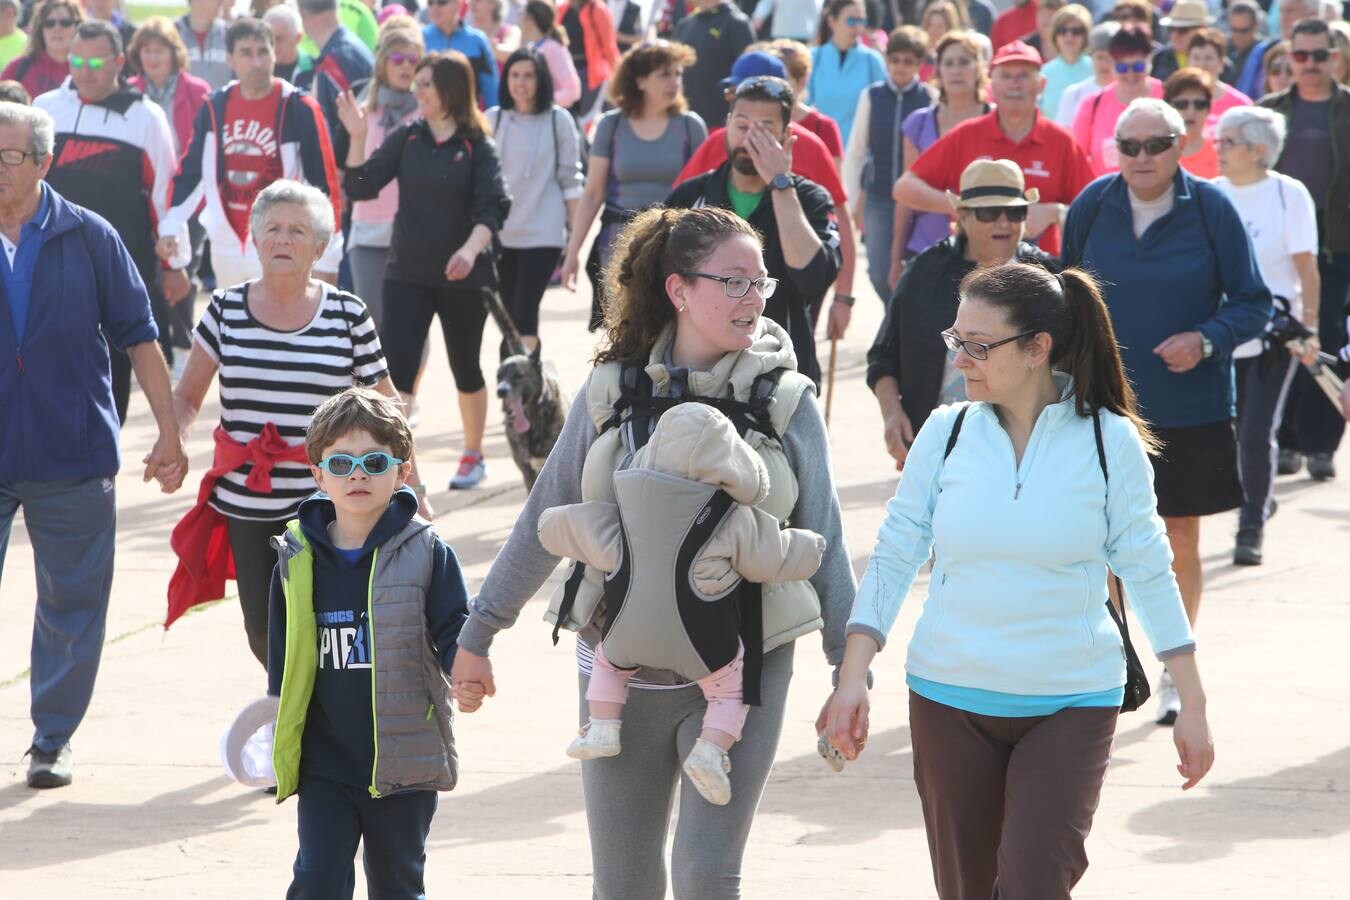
x=685 y=505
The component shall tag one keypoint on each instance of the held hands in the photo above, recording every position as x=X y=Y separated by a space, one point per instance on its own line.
x=471 y=680
x=1182 y=352
x=770 y=157
x=1195 y=747
x=460 y=265
x=352 y=115
x=844 y=718
x=167 y=462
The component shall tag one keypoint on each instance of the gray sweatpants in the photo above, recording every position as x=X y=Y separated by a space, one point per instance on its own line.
x=629 y=797
x=72 y=526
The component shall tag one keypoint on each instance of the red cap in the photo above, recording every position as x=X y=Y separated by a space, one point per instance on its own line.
x=1017 y=51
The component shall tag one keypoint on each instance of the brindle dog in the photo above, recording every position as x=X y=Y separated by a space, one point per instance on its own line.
x=533 y=403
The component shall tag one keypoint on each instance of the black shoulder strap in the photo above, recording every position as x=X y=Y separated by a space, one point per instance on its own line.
x=956 y=432
x=1122 y=622
x=636 y=408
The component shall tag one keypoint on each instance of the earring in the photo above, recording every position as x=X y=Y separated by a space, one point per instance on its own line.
x=681 y=309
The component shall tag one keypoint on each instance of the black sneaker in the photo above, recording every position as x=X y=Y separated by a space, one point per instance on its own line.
x=49 y=770
x=1288 y=462
x=1321 y=466
x=1248 y=549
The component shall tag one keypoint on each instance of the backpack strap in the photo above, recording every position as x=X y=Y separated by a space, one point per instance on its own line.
x=569 y=599
x=636 y=408
x=956 y=432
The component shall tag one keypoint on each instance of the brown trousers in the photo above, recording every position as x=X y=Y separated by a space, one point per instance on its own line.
x=1008 y=802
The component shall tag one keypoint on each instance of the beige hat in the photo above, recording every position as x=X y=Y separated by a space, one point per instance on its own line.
x=1187 y=14
x=993 y=182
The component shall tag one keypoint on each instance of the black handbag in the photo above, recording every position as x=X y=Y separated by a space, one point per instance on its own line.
x=1136 y=681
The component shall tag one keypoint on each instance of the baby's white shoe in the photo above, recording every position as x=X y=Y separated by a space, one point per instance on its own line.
x=596 y=739
x=707 y=766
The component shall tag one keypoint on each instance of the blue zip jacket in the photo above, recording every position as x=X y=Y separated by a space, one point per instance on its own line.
x=56 y=399
x=1193 y=270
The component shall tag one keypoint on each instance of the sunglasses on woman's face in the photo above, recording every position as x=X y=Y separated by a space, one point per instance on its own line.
x=1072 y=31
x=1153 y=146
x=58 y=23
x=1199 y=105
x=399 y=59
x=1281 y=71
x=1317 y=56
x=856 y=21
x=990 y=214
x=1137 y=67
x=342 y=465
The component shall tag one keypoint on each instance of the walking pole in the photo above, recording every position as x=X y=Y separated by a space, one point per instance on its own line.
x=829 y=381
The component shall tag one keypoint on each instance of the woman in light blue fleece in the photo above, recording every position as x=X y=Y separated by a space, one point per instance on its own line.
x=1016 y=669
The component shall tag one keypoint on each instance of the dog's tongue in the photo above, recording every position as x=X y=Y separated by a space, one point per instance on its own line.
x=518 y=417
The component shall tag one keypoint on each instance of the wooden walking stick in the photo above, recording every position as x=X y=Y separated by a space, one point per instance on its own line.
x=829 y=381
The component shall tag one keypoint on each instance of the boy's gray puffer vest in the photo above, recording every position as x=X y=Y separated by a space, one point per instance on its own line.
x=414 y=741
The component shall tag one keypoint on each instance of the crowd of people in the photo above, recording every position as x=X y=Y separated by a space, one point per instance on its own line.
x=1113 y=245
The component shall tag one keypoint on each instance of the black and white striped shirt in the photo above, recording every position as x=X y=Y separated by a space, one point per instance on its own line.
x=275 y=376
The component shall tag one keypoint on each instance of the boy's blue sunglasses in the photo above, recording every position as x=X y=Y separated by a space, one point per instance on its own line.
x=342 y=465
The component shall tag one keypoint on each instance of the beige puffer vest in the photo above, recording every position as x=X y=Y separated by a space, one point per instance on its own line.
x=791 y=609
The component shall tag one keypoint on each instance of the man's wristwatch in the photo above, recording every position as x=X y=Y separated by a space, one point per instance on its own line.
x=846 y=299
x=781 y=182
x=1206 y=346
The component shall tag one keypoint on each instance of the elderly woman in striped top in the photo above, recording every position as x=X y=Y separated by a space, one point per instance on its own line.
x=282 y=344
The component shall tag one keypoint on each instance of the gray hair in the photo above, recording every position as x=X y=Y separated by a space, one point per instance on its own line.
x=1257 y=125
x=10 y=4
x=314 y=201
x=40 y=126
x=282 y=12
x=1155 y=107
x=1099 y=38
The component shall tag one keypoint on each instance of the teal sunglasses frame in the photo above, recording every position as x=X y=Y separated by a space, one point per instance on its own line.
x=390 y=462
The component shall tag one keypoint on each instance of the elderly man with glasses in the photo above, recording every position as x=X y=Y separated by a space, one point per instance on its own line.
x=1182 y=284
x=69 y=292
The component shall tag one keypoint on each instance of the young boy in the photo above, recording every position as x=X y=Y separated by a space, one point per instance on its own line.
x=875 y=157
x=366 y=606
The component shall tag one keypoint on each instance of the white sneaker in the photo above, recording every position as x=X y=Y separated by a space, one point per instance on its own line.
x=1169 y=701
x=597 y=738
x=707 y=766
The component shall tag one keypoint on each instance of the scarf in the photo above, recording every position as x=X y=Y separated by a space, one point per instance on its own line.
x=163 y=96
x=395 y=107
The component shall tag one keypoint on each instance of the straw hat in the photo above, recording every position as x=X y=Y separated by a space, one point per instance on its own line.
x=993 y=182
x=1187 y=14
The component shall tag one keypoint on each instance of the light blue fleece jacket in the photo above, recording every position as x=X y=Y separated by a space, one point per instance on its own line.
x=1017 y=599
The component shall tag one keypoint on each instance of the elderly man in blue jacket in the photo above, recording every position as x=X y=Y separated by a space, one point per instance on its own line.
x=68 y=290
x=1184 y=290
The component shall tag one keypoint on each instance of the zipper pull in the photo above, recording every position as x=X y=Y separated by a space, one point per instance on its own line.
x=1017 y=493
x=18 y=356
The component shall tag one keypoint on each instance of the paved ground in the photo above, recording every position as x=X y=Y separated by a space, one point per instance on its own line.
x=152 y=816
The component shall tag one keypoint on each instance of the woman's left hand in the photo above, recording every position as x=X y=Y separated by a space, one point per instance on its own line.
x=1305 y=350
x=460 y=265
x=1195 y=746
x=845 y=718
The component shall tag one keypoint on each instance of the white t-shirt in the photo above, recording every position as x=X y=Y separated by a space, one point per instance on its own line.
x=1145 y=212
x=1281 y=220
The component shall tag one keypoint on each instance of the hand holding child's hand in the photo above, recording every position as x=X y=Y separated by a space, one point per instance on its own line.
x=469 y=694
x=471 y=680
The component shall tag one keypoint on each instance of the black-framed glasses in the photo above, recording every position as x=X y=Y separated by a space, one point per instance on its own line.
x=16 y=157
x=1137 y=67
x=975 y=349
x=342 y=465
x=737 y=286
x=59 y=23
x=764 y=84
x=990 y=214
x=1317 y=56
x=1153 y=146
x=1199 y=105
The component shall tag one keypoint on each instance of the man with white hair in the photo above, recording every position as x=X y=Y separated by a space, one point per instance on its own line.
x=291 y=61
x=1317 y=152
x=69 y=291
x=1182 y=284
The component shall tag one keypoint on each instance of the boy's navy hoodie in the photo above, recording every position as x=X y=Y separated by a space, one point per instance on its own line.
x=338 y=742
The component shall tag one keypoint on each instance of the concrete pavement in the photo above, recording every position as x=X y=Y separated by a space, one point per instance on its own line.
x=151 y=814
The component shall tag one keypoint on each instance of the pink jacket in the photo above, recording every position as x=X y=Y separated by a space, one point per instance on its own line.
x=373 y=220
x=188 y=97
x=566 y=81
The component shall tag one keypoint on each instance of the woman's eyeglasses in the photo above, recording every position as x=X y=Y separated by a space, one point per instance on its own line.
x=1317 y=56
x=991 y=214
x=93 y=62
x=342 y=465
x=1280 y=71
x=1138 y=67
x=1227 y=143
x=1199 y=105
x=58 y=23
x=975 y=349
x=1071 y=31
x=737 y=286
x=1153 y=146
x=399 y=59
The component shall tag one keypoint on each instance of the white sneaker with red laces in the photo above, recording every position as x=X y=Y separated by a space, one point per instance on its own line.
x=472 y=471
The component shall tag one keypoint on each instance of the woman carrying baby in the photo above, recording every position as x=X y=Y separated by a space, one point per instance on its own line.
x=685 y=322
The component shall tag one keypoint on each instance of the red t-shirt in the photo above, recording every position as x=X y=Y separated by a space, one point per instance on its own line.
x=825 y=128
x=1012 y=24
x=810 y=159
x=1051 y=161
x=252 y=153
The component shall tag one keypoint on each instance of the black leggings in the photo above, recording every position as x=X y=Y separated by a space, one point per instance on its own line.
x=254 y=560
x=525 y=274
x=408 y=310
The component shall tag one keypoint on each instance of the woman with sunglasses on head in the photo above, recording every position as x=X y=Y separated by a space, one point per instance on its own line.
x=688 y=289
x=389 y=102
x=1024 y=497
x=908 y=370
x=1072 y=63
x=1190 y=91
x=841 y=66
x=1278 y=69
x=1094 y=127
x=281 y=345
x=51 y=31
